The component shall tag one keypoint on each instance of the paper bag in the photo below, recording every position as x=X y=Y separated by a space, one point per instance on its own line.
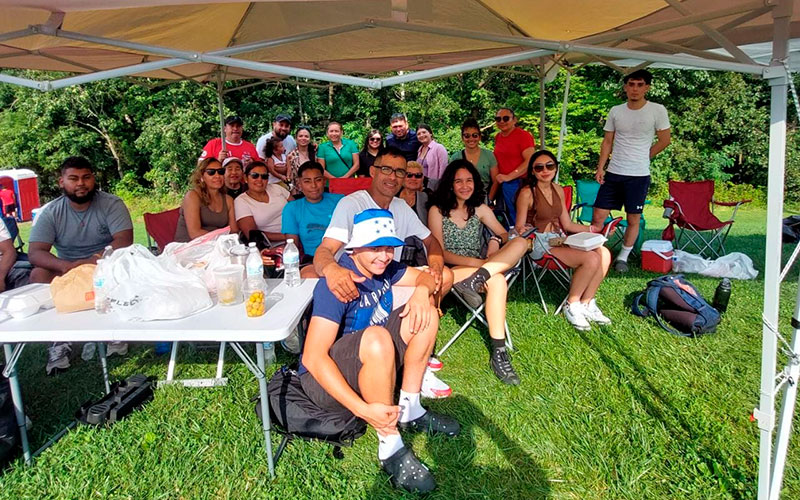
x=74 y=291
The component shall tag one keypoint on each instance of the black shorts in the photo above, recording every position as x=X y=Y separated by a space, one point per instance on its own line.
x=344 y=353
x=617 y=190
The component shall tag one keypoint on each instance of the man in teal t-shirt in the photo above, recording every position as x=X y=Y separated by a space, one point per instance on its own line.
x=306 y=219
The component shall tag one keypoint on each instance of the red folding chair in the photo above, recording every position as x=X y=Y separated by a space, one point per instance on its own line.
x=161 y=228
x=348 y=185
x=691 y=205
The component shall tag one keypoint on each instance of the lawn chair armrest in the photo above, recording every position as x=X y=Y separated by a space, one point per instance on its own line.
x=730 y=203
x=573 y=211
x=610 y=226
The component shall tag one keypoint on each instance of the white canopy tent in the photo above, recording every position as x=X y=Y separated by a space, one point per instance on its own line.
x=379 y=43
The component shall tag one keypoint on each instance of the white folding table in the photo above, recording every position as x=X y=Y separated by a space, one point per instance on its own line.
x=219 y=324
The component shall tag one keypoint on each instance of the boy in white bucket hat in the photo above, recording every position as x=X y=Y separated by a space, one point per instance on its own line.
x=354 y=351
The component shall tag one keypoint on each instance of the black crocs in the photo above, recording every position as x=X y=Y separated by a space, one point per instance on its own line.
x=432 y=423
x=407 y=472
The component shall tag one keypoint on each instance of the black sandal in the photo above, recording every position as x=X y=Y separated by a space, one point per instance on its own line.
x=407 y=472
x=432 y=423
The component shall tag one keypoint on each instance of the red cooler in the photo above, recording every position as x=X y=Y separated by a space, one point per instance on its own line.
x=657 y=256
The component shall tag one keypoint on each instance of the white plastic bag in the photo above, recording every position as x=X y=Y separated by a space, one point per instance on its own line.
x=734 y=265
x=144 y=288
x=203 y=254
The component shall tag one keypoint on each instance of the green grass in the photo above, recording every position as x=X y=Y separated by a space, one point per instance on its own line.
x=622 y=412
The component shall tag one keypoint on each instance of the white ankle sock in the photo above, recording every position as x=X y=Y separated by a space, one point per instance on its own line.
x=410 y=407
x=388 y=445
x=623 y=254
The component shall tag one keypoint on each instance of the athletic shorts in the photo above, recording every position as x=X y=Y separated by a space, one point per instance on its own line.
x=344 y=353
x=618 y=190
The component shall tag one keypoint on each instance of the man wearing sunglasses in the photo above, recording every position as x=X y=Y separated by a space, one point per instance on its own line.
x=513 y=148
x=402 y=137
x=629 y=132
x=234 y=144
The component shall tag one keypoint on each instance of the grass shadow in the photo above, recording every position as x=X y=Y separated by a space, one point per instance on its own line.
x=455 y=461
x=690 y=438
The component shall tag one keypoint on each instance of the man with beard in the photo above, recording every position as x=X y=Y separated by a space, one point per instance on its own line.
x=80 y=224
x=234 y=144
x=280 y=129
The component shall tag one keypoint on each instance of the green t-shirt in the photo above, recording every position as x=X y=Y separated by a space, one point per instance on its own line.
x=333 y=160
x=485 y=162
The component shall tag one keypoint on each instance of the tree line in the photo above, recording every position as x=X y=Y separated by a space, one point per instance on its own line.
x=145 y=135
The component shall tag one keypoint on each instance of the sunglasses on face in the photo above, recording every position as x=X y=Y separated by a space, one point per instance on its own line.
x=256 y=175
x=414 y=176
x=540 y=166
x=398 y=172
x=374 y=139
x=473 y=135
x=215 y=171
x=502 y=118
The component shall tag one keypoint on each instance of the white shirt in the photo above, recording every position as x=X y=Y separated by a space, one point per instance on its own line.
x=634 y=130
x=288 y=143
x=266 y=215
x=406 y=222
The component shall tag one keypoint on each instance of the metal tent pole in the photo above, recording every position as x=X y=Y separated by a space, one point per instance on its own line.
x=221 y=108
x=562 y=131
x=541 y=108
x=765 y=413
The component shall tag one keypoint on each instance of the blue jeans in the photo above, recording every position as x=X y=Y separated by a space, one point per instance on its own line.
x=510 y=189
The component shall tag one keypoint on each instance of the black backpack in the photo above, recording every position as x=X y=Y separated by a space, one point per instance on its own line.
x=295 y=415
x=677 y=306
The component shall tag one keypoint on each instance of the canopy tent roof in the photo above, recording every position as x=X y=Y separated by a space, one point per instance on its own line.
x=357 y=42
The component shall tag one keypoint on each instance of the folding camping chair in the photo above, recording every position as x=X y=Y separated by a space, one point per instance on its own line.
x=477 y=313
x=161 y=228
x=586 y=194
x=549 y=264
x=349 y=185
x=13 y=230
x=692 y=210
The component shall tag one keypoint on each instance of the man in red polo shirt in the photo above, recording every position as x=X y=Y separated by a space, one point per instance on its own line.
x=513 y=148
x=234 y=146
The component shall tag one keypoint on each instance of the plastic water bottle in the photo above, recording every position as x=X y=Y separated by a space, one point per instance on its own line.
x=101 y=304
x=722 y=295
x=291 y=264
x=253 y=265
x=269 y=353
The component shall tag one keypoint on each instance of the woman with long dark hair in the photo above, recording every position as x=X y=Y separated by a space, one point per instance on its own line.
x=373 y=144
x=305 y=151
x=456 y=217
x=541 y=206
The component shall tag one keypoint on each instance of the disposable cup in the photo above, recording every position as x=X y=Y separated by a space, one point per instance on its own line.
x=229 y=284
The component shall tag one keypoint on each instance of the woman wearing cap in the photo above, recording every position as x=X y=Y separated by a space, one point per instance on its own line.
x=412 y=191
x=372 y=146
x=431 y=155
x=541 y=206
x=305 y=151
x=456 y=218
x=206 y=207
x=260 y=208
x=339 y=156
x=234 y=176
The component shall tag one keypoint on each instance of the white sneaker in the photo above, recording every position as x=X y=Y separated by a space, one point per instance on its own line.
x=576 y=316
x=433 y=387
x=594 y=314
x=88 y=351
x=58 y=358
x=434 y=364
x=120 y=348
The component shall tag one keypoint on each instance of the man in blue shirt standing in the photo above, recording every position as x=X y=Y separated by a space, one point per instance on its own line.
x=305 y=220
x=355 y=350
x=402 y=137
